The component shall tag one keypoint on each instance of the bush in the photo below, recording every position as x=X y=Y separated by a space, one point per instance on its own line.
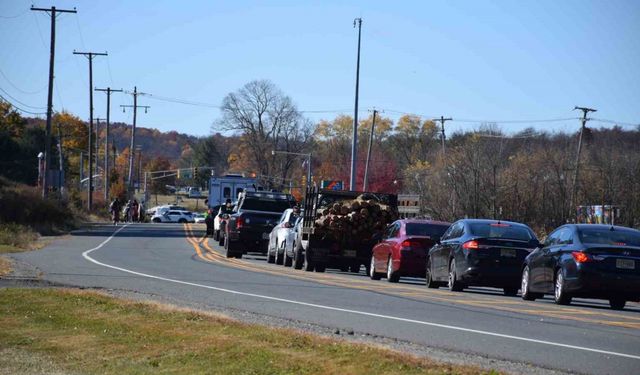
x=18 y=236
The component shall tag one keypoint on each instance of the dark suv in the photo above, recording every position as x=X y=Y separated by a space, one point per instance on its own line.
x=482 y=253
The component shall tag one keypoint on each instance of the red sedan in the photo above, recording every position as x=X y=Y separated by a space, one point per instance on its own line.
x=403 y=249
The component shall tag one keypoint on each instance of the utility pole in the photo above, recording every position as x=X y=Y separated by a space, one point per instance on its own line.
x=60 y=163
x=98 y=143
x=574 y=189
x=354 y=144
x=365 y=184
x=133 y=135
x=108 y=90
x=47 y=139
x=90 y=56
x=139 y=151
x=442 y=121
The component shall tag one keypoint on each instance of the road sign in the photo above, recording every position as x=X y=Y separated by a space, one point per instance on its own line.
x=331 y=184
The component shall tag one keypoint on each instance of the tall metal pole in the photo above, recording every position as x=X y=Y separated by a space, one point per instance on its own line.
x=365 y=184
x=108 y=90
x=133 y=136
x=52 y=52
x=90 y=56
x=354 y=144
x=574 y=189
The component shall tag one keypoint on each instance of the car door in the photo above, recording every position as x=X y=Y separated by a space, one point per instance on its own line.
x=537 y=259
x=564 y=243
x=435 y=252
x=548 y=262
x=380 y=251
x=447 y=245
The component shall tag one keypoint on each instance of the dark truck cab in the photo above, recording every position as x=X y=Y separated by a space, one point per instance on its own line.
x=323 y=248
x=255 y=215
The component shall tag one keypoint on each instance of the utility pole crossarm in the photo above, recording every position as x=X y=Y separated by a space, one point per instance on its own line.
x=54 y=9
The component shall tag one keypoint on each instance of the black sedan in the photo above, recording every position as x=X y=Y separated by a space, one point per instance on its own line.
x=585 y=260
x=476 y=252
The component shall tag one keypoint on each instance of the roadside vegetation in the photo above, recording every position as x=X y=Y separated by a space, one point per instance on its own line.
x=55 y=330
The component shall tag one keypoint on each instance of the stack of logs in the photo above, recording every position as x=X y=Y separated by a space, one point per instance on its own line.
x=358 y=219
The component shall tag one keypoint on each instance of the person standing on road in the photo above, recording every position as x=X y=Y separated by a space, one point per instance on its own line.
x=134 y=211
x=115 y=208
x=127 y=212
x=209 y=221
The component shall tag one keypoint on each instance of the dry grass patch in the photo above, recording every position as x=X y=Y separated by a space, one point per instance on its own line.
x=80 y=331
x=5 y=266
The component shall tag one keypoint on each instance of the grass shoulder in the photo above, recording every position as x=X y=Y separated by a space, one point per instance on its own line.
x=88 y=332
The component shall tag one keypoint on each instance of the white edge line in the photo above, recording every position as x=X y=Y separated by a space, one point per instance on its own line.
x=364 y=313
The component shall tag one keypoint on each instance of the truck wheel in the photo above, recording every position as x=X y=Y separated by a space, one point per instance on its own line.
x=298 y=257
x=308 y=263
x=355 y=268
x=321 y=267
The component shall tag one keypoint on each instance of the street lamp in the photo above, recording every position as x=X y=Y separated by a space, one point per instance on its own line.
x=308 y=156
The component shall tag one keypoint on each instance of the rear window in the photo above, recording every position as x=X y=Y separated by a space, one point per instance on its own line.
x=269 y=205
x=609 y=237
x=506 y=231
x=429 y=230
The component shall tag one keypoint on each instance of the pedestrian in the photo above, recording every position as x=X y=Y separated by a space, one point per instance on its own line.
x=134 y=211
x=141 y=212
x=209 y=221
x=114 y=209
x=127 y=212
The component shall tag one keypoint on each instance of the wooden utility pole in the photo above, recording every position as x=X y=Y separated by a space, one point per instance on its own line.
x=108 y=90
x=574 y=189
x=97 y=148
x=90 y=56
x=135 y=107
x=365 y=183
x=47 y=140
x=442 y=121
x=354 y=144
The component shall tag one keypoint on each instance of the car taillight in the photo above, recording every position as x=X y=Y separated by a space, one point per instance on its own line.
x=239 y=222
x=580 y=257
x=409 y=244
x=471 y=245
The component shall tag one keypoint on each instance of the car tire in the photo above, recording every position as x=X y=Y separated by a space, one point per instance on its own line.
x=320 y=267
x=453 y=283
x=372 y=270
x=298 y=257
x=617 y=303
x=429 y=278
x=288 y=261
x=510 y=291
x=216 y=235
x=229 y=250
x=156 y=220
x=392 y=276
x=308 y=263
x=270 y=258
x=279 y=256
x=527 y=294
x=560 y=296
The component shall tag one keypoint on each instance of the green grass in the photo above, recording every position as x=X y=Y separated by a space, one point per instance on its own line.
x=85 y=332
x=16 y=237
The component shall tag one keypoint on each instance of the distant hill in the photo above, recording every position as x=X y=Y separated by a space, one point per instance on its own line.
x=154 y=142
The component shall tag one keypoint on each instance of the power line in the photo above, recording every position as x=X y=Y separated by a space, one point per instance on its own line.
x=16 y=16
x=619 y=123
x=20 y=109
x=19 y=89
x=18 y=101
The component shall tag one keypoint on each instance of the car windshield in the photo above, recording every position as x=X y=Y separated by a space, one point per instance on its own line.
x=501 y=230
x=423 y=229
x=604 y=236
x=269 y=205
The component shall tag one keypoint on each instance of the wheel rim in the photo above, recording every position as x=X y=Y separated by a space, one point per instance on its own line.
x=451 y=274
x=559 y=282
x=428 y=273
x=389 y=269
x=525 y=281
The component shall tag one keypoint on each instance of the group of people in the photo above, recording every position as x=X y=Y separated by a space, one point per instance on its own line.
x=133 y=211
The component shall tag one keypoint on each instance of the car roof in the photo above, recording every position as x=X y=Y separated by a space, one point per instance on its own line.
x=491 y=221
x=425 y=221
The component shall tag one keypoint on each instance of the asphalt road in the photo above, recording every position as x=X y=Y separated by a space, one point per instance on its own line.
x=173 y=261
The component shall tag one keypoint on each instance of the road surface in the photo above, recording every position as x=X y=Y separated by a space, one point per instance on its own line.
x=175 y=262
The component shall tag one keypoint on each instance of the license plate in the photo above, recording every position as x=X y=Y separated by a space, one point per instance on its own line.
x=627 y=264
x=349 y=253
x=265 y=236
x=510 y=253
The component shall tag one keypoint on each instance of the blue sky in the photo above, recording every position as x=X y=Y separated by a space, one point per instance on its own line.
x=470 y=60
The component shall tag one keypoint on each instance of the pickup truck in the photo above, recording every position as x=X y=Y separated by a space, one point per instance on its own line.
x=254 y=216
x=343 y=240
